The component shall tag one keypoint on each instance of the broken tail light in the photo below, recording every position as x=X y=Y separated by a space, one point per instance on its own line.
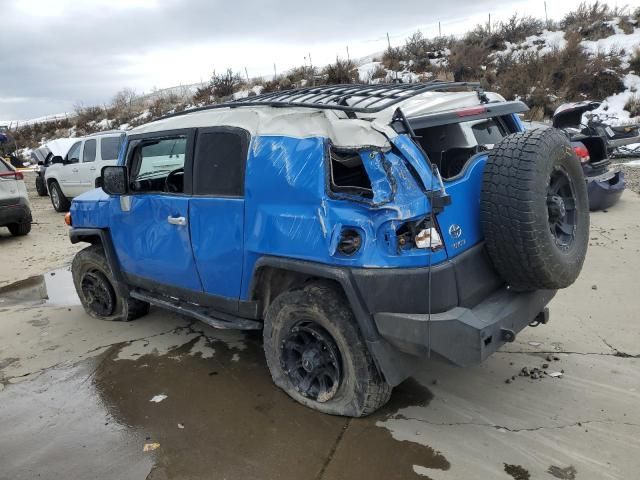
x=421 y=234
x=582 y=153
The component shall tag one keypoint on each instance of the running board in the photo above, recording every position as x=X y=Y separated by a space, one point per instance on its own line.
x=206 y=315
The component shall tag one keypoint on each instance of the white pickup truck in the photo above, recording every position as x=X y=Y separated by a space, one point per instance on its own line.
x=76 y=172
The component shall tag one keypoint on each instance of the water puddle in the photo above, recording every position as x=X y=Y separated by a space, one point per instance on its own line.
x=54 y=288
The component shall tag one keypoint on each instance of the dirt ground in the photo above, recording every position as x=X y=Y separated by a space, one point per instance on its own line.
x=46 y=247
x=75 y=392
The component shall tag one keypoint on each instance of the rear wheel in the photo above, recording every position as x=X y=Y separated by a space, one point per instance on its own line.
x=95 y=286
x=41 y=187
x=58 y=200
x=19 y=229
x=316 y=354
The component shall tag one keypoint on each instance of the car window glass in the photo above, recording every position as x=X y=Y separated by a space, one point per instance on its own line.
x=488 y=132
x=74 y=153
x=110 y=147
x=219 y=163
x=152 y=161
x=89 y=154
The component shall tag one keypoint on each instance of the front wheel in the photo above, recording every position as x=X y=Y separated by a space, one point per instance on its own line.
x=316 y=353
x=58 y=200
x=95 y=287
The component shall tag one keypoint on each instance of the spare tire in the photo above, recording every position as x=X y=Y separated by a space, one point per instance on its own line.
x=535 y=210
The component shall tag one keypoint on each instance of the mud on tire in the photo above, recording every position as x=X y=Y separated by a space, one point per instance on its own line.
x=535 y=210
x=320 y=313
x=94 y=284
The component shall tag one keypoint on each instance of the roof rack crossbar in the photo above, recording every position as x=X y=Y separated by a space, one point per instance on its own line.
x=349 y=98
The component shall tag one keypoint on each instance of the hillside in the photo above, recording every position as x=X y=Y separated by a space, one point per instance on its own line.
x=591 y=53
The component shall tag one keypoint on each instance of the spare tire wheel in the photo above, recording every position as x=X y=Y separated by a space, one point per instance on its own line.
x=535 y=210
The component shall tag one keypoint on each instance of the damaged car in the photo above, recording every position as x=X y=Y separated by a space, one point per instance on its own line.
x=363 y=228
x=594 y=142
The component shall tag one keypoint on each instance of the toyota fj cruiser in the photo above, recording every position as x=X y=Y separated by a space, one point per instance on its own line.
x=359 y=226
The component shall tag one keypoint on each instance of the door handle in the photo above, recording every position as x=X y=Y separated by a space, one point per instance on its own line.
x=92 y=168
x=177 y=220
x=74 y=170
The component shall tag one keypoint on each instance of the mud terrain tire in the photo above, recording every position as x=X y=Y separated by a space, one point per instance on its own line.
x=323 y=309
x=94 y=284
x=535 y=210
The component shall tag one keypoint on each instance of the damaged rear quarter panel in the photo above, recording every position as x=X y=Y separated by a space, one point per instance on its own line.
x=289 y=212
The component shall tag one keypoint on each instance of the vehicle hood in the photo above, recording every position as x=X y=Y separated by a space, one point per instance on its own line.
x=60 y=146
x=570 y=114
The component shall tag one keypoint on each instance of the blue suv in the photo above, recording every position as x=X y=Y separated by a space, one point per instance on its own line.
x=360 y=227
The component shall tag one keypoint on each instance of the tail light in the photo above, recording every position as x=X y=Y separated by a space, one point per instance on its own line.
x=582 y=153
x=12 y=174
x=67 y=219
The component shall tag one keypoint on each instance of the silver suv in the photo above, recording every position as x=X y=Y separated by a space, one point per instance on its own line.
x=15 y=209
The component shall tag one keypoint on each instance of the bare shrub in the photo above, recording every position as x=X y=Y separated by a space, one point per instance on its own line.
x=634 y=62
x=392 y=57
x=589 y=20
x=633 y=106
x=466 y=61
x=225 y=84
x=342 y=71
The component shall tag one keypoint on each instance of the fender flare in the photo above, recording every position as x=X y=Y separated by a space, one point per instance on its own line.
x=396 y=366
x=102 y=236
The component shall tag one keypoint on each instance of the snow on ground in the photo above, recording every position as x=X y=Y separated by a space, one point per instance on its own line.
x=543 y=44
x=612 y=108
x=619 y=44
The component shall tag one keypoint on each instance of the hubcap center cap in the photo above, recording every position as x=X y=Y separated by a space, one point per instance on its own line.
x=557 y=208
x=310 y=359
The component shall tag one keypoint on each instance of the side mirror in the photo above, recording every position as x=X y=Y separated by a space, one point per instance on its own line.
x=114 y=180
x=57 y=159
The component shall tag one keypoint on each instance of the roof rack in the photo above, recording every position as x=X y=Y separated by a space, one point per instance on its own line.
x=350 y=98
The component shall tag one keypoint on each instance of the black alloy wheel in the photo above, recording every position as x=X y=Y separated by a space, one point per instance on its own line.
x=311 y=360
x=561 y=207
x=98 y=292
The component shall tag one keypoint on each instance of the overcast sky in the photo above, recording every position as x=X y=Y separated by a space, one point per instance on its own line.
x=57 y=53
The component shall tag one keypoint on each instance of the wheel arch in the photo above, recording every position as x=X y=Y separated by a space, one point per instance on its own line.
x=274 y=275
x=100 y=236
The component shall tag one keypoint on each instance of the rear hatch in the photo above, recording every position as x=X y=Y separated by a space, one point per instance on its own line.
x=569 y=115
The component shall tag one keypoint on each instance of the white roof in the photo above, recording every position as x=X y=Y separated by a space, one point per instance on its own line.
x=300 y=122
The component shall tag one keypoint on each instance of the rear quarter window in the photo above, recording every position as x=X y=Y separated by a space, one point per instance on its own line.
x=219 y=162
x=110 y=147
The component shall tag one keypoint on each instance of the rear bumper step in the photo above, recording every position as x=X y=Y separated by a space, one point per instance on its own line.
x=466 y=336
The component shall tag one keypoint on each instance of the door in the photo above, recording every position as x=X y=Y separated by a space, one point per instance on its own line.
x=150 y=227
x=217 y=208
x=69 y=174
x=87 y=167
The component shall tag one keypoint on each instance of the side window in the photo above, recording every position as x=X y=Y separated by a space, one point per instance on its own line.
x=219 y=162
x=89 y=151
x=110 y=147
x=74 y=153
x=157 y=165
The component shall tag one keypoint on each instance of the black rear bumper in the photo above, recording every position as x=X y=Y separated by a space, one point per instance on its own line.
x=465 y=336
x=14 y=211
